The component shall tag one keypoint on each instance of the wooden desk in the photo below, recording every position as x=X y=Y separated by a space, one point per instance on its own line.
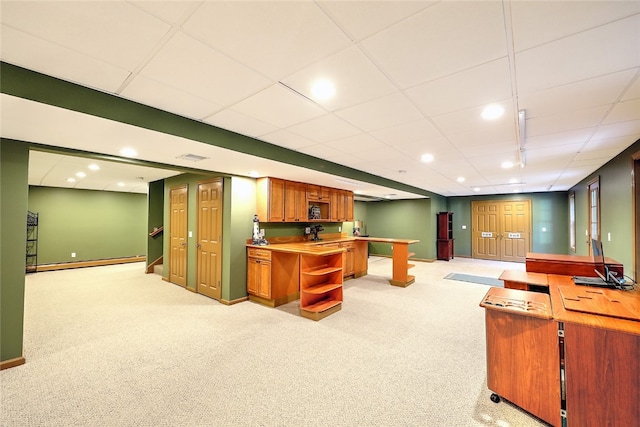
x=518 y=279
x=597 y=354
x=401 y=255
x=570 y=265
x=522 y=351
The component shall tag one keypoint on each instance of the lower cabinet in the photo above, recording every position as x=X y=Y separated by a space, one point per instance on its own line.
x=348 y=259
x=320 y=285
x=272 y=277
x=259 y=277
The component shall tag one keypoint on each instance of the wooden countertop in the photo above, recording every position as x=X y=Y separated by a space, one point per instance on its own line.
x=318 y=247
x=385 y=240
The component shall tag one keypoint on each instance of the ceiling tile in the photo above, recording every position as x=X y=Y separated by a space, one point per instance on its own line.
x=324 y=128
x=354 y=145
x=116 y=32
x=578 y=95
x=481 y=85
x=633 y=91
x=562 y=18
x=443 y=39
x=287 y=139
x=390 y=110
x=573 y=119
x=418 y=130
x=364 y=18
x=190 y=66
x=630 y=129
x=171 y=12
x=275 y=38
x=168 y=98
x=355 y=77
x=230 y=119
x=279 y=106
x=40 y=55
x=471 y=121
x=624 y=111
x=573 y=136
x=603 y=50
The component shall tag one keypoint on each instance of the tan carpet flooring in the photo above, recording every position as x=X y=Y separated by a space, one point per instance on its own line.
x=111 y=346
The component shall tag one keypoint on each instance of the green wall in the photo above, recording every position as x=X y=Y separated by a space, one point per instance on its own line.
x=616 y=209
x=155 y=218
x=549 y=220
x=401 y=219
x=14 y=166
x=93 y=224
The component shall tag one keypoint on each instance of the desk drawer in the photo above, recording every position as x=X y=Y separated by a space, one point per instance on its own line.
x=259 y=253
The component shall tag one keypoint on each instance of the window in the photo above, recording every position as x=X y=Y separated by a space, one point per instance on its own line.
x=572 y=221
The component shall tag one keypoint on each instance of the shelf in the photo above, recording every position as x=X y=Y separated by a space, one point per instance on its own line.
x=322 y=305
x=410 y=254
x=322 y=270
x=321 y=289
x=410 y=266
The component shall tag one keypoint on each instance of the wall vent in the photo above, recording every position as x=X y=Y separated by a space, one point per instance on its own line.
x=191 y=157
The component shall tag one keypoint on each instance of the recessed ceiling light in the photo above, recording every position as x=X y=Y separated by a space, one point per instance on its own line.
x=94 y=167
x=507 y=165
x=121 y=184
x=71 y=180
x=492 y=112
x=476 y=189
x=81 y=174
x=426 y=158
x=323 y=89
x=128 y=152
x=460 y=179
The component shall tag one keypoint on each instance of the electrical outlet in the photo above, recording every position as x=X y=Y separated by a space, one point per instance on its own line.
x=339 y=229
x=73 y=254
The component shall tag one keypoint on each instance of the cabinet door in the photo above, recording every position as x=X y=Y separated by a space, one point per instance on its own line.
x=264 y=287
x=348 y=206
x=253 y=276
x=341 y=206
x=259 y=277
x=348 y=259
x=301 y=210
x=276 y=200
x=336 y=199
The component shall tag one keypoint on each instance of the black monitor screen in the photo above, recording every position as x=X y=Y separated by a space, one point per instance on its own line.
x=598 y=258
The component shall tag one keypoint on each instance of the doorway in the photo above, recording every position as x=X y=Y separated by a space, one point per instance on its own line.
x=209 y=245
x=501 y=230
x=178 y=235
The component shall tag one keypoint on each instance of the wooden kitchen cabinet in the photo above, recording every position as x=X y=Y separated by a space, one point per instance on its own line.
x=259 y=273
x=270 y=199
x=295 y=201
x=279 y=200
x=348 y=259
x=445 y=235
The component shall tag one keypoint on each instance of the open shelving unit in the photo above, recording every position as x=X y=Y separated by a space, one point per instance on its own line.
x=320 y=285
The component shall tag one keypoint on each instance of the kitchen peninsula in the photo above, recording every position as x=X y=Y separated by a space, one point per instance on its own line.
x=313 y=271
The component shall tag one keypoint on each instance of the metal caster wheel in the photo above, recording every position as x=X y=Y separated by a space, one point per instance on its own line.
x=495 y=398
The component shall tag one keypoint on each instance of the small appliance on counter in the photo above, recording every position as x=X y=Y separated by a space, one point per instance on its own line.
x=258 y=236
x=314 y=229
x=358 y=229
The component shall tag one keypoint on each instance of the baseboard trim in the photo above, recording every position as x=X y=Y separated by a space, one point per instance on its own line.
x=12 y=363
x=234 y=301
x=91 y=263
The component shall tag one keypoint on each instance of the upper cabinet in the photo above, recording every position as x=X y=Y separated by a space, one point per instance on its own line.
x=290 y=201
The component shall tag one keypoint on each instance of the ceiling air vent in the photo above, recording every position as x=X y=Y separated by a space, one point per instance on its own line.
x=191 y=157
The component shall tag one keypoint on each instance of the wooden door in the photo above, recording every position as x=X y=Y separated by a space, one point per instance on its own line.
x=515 y=230
x=594 y=212
x=501 y=230
x=209 y=246
x=486 y=216
x=178 y=235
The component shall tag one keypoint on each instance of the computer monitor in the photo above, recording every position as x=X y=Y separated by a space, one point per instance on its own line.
x=600 y=266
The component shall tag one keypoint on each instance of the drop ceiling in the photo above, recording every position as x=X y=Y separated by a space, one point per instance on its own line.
x=411 y=78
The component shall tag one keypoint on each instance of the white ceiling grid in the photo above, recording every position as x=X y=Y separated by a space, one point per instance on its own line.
x=412 y=77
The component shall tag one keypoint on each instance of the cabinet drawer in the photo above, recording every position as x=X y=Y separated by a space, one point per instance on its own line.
x=259 y=253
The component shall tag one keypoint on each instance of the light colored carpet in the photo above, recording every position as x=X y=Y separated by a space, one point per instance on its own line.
x=111 y=346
